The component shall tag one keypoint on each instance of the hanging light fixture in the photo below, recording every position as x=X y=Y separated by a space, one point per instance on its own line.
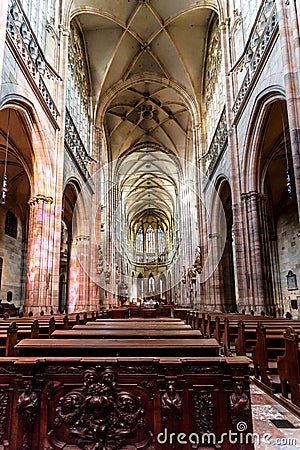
x=287 y=171
x=4 y=179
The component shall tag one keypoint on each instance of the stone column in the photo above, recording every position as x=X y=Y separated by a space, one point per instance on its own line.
x=236 y=175
x=290 y=45
x=40 y=253
x=3 y=17
x=254 y=204
x=59 y=151
x=78 y=298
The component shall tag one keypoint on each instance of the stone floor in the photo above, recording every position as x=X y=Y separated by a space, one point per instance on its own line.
x=269 y=436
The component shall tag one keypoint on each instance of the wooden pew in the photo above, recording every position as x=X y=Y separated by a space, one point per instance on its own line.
x=268 y=347
x=8 y=340
x=132 y=326
x=59 y=321
x=246 y=338
x=181 y=313
x=213 y=320
x=142 y=320
x=114 y=333
x=119 y=347
x=11 y=335
x=289 y=366
x=24 y=328
x=71 y=401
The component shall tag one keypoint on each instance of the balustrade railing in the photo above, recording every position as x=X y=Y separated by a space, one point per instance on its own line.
x=27 y=48
x=218 y=143
x=258 y=44
x=76 y=146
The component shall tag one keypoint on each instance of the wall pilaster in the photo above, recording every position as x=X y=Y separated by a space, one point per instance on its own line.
x=3 y=21
x=235 y=176
x=40 y=251
x=290 y=45
x=257 y=247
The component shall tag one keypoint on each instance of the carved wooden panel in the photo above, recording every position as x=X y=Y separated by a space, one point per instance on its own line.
x=125 y=404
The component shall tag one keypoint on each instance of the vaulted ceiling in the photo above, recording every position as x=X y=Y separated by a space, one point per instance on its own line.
x=147 y=64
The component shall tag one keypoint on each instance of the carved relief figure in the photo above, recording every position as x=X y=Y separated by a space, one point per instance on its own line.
x=192 y=274
x=3 y=414
x=107 y=274
x=100 y=260
x=171 y=405
x=239 y=404
x=27 y=408
x=204 y=415
x=198 y=264
x=97 y=415
x=183 y=276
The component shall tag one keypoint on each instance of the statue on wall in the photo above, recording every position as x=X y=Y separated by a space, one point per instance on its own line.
x=198 y=260
x=171 y=405
x=107 y=274
x=27 y=408
x=183 y=275
x=240 y=405
x=192 y=274
x=100 y=260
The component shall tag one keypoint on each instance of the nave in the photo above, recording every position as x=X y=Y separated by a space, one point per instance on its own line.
x=88 y=381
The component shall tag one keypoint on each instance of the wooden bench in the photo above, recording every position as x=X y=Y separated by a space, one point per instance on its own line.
x=289 y=366
x=238 y=339
x=246 y=337
x=268 y=347
x=119 y=347
x=12 y=334
x=9 y=310
x=143 y=320
x=181 y=313
x=84 y=333
x=213 y=323
x=132 y=326
x=8 y=340
x=70 y=401
x=45 y=327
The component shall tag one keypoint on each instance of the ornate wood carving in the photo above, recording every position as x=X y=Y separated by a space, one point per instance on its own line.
x=204 y=411
x=105 y=405
x=203 y=369
x=138 y=369
x=64 y=369
x=3 y=413
x=27 y=408
x=10 y=368
x=99 y=415
x=240 y=408
x=171 y=406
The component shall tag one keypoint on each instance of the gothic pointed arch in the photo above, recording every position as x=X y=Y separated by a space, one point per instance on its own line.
x=270 y=202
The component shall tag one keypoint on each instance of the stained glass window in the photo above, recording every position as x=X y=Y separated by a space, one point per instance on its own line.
x=161 y=240
x=150 y=240
x=11 y=224
x=139 y=240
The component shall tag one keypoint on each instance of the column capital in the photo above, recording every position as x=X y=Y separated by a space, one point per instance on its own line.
x=252 y=195
x=40 y=199
x=81 y=237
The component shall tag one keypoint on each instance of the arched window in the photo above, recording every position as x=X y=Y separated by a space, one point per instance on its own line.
x=78 y=88
x=139 y=242
x=11 y=224
x=161 y=240
x=150 y=240
x=151 y=283
x=1 y=268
